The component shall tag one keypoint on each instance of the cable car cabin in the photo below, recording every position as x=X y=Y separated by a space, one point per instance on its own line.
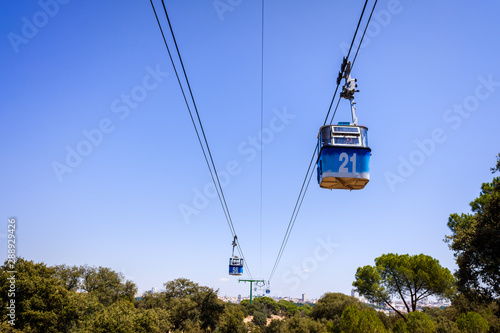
x=235 y=266
x=343 y=157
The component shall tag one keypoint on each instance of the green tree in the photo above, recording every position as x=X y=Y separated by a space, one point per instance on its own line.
x=268 y=304
x=445 y=325
x=117 y=317
x=400 y=326
x=107 y=285
x=122 y=317
x=287 y=307
x=69 y=275
x=232 y=320
x=475 y=240
x=259 y=319
x=251 y=309
x=42 y=302
x=443 y=318
x=5 y=327
x=192 y=304
x=411 y=278
x=354 y=320
x=331 y=306
x=472 y=322
x=299 y=324
x=80 y=307
x=388 y=320
x=419 y=322
x=305 y=309
x=349 y=319
x=152 y=320
x=181 y=288
x=276 y=326
x=488 y=310
x=152 y=300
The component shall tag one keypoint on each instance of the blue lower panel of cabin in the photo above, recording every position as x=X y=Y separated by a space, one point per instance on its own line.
x=344 y=168
x=235 y=270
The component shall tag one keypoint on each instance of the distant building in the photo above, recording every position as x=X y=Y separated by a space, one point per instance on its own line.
x=150 y=292
x=304 y=297
x=239 y=297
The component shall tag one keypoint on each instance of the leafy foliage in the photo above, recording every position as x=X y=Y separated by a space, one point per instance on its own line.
x=232 y=320
x=497 y=166
x=117 y=317
x=472 y=322
x=108 y=285
x=419 y=322
x=43 y=304
x=475 y=240
x=445 y=325
x=268 y=305
x=5 y=327
x=287 y=307
x=331 y=305
x=305 y=309
x=410 y=278
x=192 y=304
x=276 y=326
x=70 y=276
x=259 y=318
x=400 y=327
x=89 y=299
x=299 y=324
x=354 y=320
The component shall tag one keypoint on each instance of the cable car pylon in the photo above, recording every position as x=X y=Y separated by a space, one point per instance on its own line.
x=251 y=282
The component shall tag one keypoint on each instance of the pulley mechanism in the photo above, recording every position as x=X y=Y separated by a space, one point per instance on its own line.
x=234 y=244
x=349 y=88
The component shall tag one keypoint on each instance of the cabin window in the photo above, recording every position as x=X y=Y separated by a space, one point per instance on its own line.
x=346 y=129
x=346 y=140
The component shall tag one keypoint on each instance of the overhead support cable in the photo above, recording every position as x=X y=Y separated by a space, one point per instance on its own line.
x=261 y=129
x=310 y=170
x=363 y=36
x=205 y=148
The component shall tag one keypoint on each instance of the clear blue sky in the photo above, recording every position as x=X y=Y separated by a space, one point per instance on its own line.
x=429 y=80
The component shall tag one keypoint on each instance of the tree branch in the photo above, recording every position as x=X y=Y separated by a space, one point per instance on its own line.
x=400 y=292
x=423 y=295
x=390 y=305
x=414 y=296
x=417 y=289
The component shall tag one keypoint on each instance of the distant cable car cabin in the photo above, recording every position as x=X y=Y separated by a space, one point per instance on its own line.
x=235 y=263
x=235 y=266
x=343 y=152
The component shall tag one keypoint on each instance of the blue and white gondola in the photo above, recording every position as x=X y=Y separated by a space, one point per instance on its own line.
x=235 y=263
x=235 y=266
x=343 y=157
